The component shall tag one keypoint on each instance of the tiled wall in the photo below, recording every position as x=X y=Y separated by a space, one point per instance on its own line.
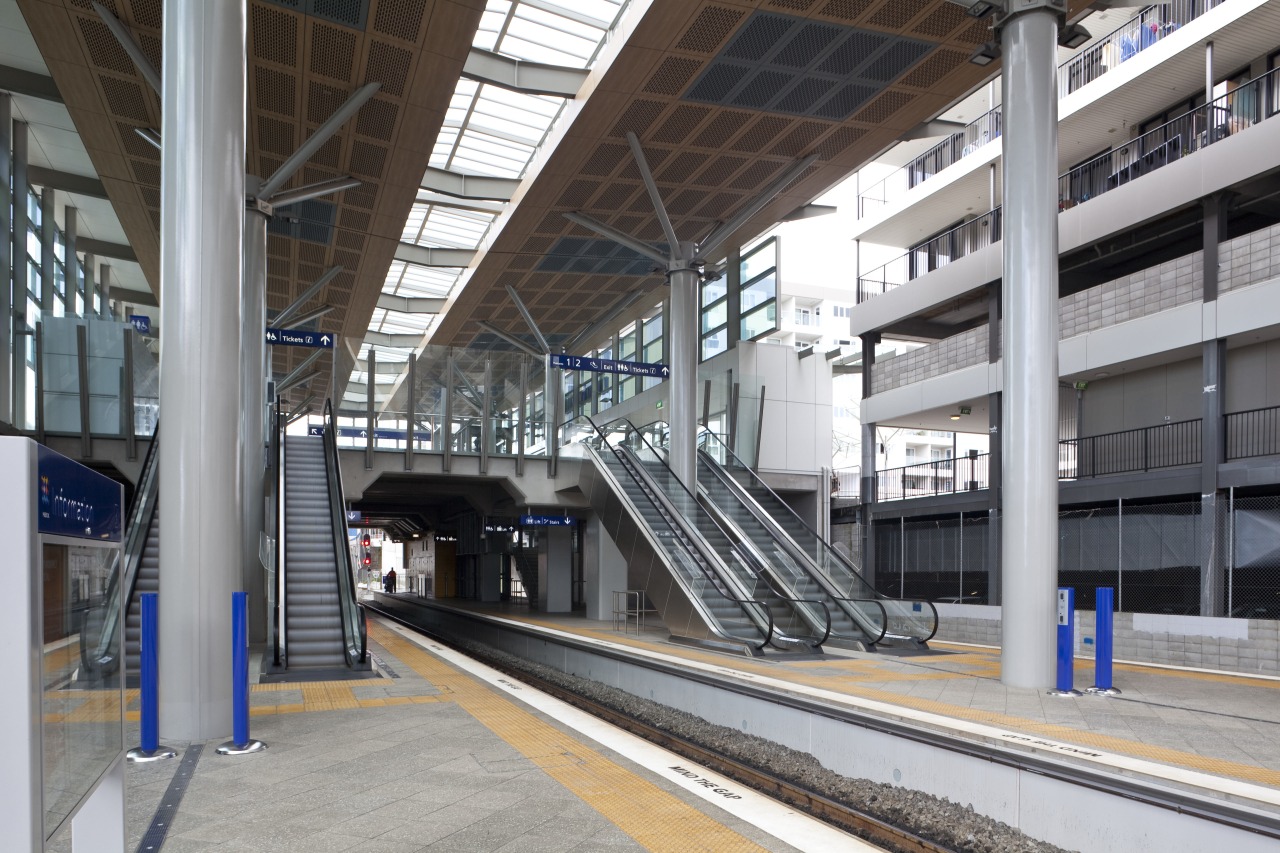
x=1249 y=258
x=1229 y=645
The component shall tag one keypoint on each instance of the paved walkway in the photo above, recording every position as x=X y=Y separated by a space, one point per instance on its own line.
x=432 y=757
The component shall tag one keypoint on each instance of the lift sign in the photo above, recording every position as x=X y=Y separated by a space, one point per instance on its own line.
x=546 y=521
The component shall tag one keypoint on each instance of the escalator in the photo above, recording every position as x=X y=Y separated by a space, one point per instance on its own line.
x=319 y=625
x=700 y=598
x=804 y=562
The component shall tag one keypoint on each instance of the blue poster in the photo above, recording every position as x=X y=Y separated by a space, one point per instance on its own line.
x=73 y=500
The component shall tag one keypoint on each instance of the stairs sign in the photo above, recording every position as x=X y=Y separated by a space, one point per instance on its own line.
x=299 y=338
x=546 y=521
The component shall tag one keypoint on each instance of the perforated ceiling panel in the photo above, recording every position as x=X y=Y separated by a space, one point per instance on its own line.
x=783 y=64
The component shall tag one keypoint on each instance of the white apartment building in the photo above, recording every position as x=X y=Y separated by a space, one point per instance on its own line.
x=1169 y=311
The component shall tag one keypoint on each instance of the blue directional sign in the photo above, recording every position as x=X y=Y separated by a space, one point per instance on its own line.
x=608 y=365
x=421 y=433
x=141 y=323
x=299 y=338
x=547 y=521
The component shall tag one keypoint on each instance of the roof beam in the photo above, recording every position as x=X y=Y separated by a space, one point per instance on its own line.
x=442 y=200
x=66 y=181
x=410 y=304
x=430 y=256
x=120 y=296
x=103 y=249
x=459 y=185
x=29 y=83
x=532 y=78
x=385 y=339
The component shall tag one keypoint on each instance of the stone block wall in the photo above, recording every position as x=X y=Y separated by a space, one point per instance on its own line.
x=1249 y=258
x=958 y=351
x=1146 y=292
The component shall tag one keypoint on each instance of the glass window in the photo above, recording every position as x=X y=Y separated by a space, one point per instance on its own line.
x=760 y=322
x=761 y=258
x=714 y=343
x=761 y=290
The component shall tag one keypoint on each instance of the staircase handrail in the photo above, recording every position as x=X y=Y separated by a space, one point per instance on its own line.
x=840 y=558
x=141 y=511
x=355 y=630
x=594 y=431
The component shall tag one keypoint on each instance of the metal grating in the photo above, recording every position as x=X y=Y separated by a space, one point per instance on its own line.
x=682 y=122
x=709 y=29
x=275 y=91
x=348 y=13
x=672 y=75
x=846 y=10
x=604 y=159
x=783 y=64
x=400 y=19
x=377 y=119
x=275 y=35
x=721 y=129
x=389 y=64
x=311 y=221
x=332 y=51
x=939 y=64
x=124 y=98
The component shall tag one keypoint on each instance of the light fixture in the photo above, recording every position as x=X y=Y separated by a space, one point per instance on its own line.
x=1073 y=35
x=985 y=54
x=956 y=416
x=976 y=8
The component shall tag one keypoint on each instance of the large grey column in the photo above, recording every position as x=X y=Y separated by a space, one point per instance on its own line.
x=1030 y=289
x=253 y=369
x=995 y=470
x=7 y=256
x=682 y=387
x=202 y=202
x=868 y=472
x=1215 y=554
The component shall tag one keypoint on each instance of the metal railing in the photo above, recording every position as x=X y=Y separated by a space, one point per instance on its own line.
x=953 y=149
x=932 y=254
x=938 y=477
x=1248 y=104
x=1106 y=54
x=1253 y=433
x=1143 y=449
x=1128 y=40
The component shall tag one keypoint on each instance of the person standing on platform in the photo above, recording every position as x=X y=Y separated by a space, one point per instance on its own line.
x=391 y=582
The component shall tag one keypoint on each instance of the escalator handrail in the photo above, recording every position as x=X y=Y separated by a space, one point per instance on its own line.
x=652 y=495
x=276 y=493
x=355 y=630
x=674 y=520
x=763 y=569
x=137 y=526
x=840 y=557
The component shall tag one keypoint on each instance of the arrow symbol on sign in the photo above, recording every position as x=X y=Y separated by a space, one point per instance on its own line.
x=666 y=371
x=364 y=433
x=324 y=339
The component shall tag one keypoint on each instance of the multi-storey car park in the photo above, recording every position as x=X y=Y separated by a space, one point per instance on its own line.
x=487 y=293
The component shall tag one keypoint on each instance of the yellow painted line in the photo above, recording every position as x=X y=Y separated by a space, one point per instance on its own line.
x=655 y=819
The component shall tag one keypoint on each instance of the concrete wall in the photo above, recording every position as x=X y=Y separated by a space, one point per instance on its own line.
x=1167 y=393
x=1253 y=377
x=1231 y=645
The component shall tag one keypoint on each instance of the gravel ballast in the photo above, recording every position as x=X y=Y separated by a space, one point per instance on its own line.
x=946 y=823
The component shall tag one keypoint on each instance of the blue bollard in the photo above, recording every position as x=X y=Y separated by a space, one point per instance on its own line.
x=149 y=678
x=240 y=743
x=1105 y=631
x=1066 y=642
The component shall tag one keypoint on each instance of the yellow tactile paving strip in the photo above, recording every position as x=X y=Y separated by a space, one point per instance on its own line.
x=852 y=675
x=654 y=818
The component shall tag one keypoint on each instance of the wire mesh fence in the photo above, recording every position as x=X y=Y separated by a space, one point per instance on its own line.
x=1159 y=558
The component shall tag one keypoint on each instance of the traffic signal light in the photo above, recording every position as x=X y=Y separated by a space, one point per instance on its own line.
x=368 y=561
x=365 y=541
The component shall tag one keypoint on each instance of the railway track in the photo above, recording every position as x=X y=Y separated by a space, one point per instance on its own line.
x=860 y=823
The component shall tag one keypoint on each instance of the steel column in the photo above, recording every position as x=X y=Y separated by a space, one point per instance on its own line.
x=1213 y=567
x=201 y=234
x=447 y=427
x=48 y=254
x=411 y=405
x=370 y=422
x=522 y=418
x=105 y=274
x=89 y=278
x=18 y=261
x=1030 y=300
x=82 y=383
x=733 y=298
x=7 y=258
x=486 y=419
x=253 y=410
x=71 y=263
x=126 y=398
x=682 y=387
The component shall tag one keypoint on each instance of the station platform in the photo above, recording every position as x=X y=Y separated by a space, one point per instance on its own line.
x=1212 y=733
x=438 y=753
